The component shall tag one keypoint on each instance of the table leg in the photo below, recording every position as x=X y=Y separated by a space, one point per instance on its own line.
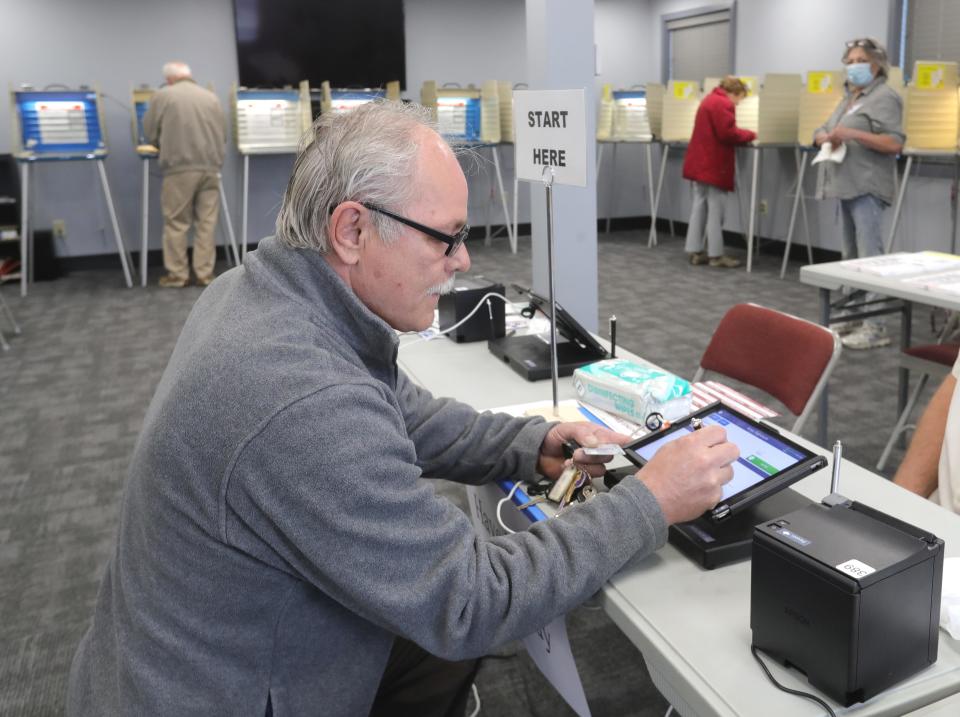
x=652 y=239
x=899 y=205
x=801 y=160
x=906 y=331
x=121 y=246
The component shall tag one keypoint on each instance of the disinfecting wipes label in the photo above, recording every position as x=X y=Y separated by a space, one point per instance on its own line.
x=855 y=569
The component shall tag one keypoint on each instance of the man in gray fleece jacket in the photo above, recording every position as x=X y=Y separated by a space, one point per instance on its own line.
x=279 y=551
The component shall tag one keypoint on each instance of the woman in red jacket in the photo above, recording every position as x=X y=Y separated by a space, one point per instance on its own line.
x=710 y=164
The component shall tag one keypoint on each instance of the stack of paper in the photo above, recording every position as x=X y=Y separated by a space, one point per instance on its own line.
x=680 y=103
x=931 y=111
x=823 y=91
x=903 y=264
x=948 y=281
x=779 y=113
x=505 y=89
x=655 y=93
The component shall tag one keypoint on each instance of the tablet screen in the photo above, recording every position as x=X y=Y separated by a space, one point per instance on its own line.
x=762 y=454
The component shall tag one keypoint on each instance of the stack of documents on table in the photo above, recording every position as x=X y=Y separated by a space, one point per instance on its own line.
x=706 y=392
x=904 y=264
x=948 y=281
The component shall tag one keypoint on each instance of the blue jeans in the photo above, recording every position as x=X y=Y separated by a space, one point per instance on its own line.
x=861 y=233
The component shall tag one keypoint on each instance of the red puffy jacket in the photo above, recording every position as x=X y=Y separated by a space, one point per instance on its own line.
x=711 y=157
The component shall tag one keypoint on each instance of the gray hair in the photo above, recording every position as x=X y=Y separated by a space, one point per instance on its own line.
x=176 y=70
x=875 y=51
x=368 y=154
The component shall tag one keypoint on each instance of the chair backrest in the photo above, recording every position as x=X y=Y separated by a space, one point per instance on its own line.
x=788 y=357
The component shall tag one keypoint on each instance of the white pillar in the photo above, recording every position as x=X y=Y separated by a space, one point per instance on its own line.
x=560 y=56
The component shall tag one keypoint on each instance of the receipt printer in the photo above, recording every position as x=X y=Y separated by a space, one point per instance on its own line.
x=487 y=322
x=848 y=595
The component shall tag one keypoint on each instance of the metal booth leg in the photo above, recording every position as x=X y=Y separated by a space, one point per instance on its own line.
x=144 y=219
x=243 y=208
x=896 y=212
x=226 y=216
x=503 y=195
x=125 y=259
x=652 y=239
x=801 y=160
x=751 y=222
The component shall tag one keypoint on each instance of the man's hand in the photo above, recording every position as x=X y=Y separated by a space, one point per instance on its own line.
x=686 y=475
x=587 y=434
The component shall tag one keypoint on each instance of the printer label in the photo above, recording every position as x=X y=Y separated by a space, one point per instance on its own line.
x=855 y=569
x=790 y=535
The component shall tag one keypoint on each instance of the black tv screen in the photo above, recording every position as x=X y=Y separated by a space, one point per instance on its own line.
x=358 y=43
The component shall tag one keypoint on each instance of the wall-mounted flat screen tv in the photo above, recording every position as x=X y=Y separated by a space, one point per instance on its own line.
x=358 y=43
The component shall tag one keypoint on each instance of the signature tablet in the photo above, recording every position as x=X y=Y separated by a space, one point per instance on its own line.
x=768 y=461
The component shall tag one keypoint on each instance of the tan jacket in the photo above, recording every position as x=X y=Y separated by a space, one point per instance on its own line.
x=187 y=123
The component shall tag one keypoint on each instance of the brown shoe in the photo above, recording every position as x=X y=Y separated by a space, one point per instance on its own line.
x=724 y=262
x=697 y=258
x=206 y=281
x=169 y=281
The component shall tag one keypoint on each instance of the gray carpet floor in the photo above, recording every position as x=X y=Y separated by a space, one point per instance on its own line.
x=75 y=386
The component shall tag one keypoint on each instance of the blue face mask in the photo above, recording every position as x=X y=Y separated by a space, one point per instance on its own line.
x=859 y=74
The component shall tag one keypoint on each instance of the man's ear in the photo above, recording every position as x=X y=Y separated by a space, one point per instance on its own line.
x=347 y=226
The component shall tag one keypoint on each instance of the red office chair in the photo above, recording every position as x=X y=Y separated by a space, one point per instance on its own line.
x=928 y=360
x=788 y=357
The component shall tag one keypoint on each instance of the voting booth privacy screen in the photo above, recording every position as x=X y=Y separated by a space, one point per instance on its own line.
x=281 y=42
x=59 y=124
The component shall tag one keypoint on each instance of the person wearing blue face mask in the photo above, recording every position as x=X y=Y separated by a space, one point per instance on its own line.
x=869 y=122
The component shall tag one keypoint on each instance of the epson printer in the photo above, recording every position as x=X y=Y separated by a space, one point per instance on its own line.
x=846 y=594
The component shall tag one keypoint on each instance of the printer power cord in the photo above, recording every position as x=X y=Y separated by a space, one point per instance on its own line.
x=798 y=693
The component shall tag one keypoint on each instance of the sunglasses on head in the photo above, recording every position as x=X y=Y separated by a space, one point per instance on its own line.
x=866 y=42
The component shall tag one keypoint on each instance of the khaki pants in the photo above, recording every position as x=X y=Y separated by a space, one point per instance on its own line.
x=190 y=197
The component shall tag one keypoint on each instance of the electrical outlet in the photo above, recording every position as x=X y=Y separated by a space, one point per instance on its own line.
x=763 y=206
x=59 y=229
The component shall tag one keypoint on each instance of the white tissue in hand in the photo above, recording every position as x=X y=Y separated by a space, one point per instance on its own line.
x=950 y=598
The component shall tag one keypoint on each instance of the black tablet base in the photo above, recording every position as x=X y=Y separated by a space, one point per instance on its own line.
x=529 y=355
x=711 y=544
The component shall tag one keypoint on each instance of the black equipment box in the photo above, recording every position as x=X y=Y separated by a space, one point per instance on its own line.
x=711 y=544
x=487 y=322
x=848 y=595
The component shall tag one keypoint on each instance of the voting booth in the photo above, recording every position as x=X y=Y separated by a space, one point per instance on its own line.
x=680 y=103
x=338 y=99
x=55 y=126
x=473 y=117
x=266 y=121
x=930 y=117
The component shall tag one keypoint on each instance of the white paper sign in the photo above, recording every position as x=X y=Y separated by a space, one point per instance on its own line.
x=550 y=131
x=549 y=647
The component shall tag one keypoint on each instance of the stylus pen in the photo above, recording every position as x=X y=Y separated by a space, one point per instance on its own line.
x=613 y=336
x=835 y=476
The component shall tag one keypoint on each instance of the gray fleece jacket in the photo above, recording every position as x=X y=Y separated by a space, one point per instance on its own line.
x=276 y=531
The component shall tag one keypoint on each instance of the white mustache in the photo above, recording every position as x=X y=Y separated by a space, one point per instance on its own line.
x=444 y=288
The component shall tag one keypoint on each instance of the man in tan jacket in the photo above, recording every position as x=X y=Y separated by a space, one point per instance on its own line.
x=187 y=123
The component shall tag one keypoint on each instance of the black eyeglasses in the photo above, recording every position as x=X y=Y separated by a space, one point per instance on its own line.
x=453 y=241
